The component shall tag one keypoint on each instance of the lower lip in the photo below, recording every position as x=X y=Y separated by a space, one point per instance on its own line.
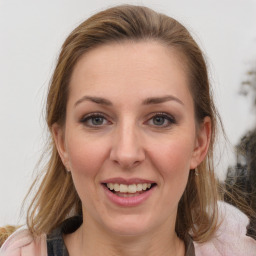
x=128 y=201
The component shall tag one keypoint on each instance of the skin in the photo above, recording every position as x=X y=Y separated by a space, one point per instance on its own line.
x=131 y=139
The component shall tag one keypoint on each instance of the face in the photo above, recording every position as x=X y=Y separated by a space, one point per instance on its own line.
x=130 y=137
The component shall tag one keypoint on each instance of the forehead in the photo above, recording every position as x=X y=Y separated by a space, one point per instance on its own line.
x=135 y=69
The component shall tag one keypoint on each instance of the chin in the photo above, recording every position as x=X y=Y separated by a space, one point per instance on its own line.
x=127 y=226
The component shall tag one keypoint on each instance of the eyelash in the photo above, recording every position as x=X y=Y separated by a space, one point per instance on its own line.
x=90 y=117
x=170 y=119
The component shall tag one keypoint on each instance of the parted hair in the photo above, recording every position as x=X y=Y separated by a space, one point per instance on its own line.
x=56 y=198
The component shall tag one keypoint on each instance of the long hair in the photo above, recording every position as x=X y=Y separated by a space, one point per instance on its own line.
x=56 y=197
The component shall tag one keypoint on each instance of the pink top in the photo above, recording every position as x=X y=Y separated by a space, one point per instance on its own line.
x=229 y=240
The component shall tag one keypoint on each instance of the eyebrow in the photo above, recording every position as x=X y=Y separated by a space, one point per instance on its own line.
x=148 y=101
x=97 y=100
x=158 y=100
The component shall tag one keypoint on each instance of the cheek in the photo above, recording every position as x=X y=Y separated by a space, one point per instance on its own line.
x=86 y=158
x=85 y=155
x=172 y=161
x=174 y=158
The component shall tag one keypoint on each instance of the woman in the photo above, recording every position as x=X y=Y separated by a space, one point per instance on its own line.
x=132 y=126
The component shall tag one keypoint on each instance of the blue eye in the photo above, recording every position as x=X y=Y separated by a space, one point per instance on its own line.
x=159 y=120
x=162 y=120
x=94 y=120
x=97 y=120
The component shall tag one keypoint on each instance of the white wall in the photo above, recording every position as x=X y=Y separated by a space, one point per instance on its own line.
x=31 y=33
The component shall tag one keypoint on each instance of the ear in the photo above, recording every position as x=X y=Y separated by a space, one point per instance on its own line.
x=58 y=133
x=202 y=142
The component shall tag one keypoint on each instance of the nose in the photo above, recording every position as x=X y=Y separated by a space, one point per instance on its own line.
x=127 y=150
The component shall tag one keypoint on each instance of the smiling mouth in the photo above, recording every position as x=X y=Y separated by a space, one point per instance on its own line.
x=124 y=190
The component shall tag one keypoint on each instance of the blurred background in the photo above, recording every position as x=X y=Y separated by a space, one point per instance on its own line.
x=31 y=34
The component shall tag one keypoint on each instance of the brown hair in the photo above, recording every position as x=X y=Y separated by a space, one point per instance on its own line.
x=56 y=198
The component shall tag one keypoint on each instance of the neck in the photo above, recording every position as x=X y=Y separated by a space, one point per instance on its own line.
x=86 y=242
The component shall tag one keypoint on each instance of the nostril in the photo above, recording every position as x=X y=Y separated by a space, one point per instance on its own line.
x=127 y=153
x=126 y=164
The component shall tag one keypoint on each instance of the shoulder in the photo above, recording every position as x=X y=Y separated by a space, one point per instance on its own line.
x=21 y=242
x=230 y=238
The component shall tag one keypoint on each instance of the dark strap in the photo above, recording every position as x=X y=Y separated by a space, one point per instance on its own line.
x=55 y=242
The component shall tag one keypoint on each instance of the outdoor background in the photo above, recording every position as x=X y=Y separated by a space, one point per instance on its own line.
x=31 y=34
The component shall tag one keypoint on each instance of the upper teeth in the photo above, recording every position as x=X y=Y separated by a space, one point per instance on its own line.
x=128 y=188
